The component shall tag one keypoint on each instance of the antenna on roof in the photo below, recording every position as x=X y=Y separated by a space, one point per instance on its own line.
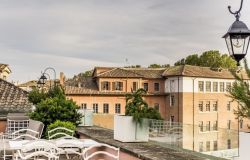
x=127 y=63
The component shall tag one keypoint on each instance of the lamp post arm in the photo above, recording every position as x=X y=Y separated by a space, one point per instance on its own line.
x=236 y=13
x=52 y=70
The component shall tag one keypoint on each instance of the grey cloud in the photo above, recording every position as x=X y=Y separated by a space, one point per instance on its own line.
x=36 y=34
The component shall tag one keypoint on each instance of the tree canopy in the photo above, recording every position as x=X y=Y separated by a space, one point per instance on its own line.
x=240 y=92
x=158 y=65
x=210 y=58
x=138 y=108
x=52 y=106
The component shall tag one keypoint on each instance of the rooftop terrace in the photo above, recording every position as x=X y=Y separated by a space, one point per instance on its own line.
x=145 y=151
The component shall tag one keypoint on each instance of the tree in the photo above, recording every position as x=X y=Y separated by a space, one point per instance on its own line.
x=36 y=95
x=240 y=93
x=52 y=109
x=52 y=106
x=158 y=65
x=138 y=108
x=133 y=66
x=211 y=58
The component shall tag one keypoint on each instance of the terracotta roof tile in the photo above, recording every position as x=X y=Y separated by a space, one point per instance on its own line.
x=133 y=73
x=196 y=71
x=13 y=98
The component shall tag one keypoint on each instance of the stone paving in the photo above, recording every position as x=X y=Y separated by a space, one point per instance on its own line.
x=145 y=151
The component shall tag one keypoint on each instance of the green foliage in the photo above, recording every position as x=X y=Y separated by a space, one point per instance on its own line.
x=84 y=74
x=35 y=96
x=212 y=59
x=58 y=123
x=56 y=108
x=133 y=66
x=138 y=108
x=240 y=92
x=158 y=66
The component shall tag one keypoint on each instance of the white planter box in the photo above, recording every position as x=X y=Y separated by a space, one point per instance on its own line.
x=126 y=130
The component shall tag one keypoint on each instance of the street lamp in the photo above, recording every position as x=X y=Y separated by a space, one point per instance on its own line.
x=42 y=80
x=237 y=37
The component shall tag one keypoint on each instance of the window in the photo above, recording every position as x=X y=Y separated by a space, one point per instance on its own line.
x=172 y=100
x=229 y=124
x=4 y=77
x=117 y=86
x=13 y=125
x=83 y=106
x=228 y=105
x=157 y=106
x=215 y=125
x=135 y=86
x=118 y=108
x=105 y=108
x=105 y=85
x=229 y=144
x=215 y=145
x=201 y=86
x=228 y=86
x=172 y=119
x=208 y=126
x=215 y=86
x=157 y=86
x=215 y=106
x=222 y=87
x=201 y=106
x=207 y=106
x=201 y=126
x=241 y=123
x=145 y=86
x=200 y=146
x=208 y=86
x=172 y=86
x=208 y=146
x=95 y=108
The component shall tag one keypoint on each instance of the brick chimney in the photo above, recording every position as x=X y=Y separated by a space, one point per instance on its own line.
x=62 y=78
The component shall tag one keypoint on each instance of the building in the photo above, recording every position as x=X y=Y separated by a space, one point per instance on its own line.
x=4 y=71
x=105 y=90
x=195 y=96
x=12 y=100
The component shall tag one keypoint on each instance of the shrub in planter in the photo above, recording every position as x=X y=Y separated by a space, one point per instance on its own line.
x=58 y=123
x=138 y=108
x=126 y=128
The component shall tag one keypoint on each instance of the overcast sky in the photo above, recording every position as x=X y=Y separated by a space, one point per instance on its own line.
x=75 y=35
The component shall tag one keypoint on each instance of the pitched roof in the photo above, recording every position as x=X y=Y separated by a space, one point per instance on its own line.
x=148 y=72
x=13 y=98
x=29 y=83
x=3 y=66
x=197 y=71
x=132 y=73
x=86 y=82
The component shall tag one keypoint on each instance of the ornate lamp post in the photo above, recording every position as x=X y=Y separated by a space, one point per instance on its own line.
x=42 y=80
x=237 y=37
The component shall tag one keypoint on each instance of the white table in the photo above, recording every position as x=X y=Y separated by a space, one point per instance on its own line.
x=15 y=145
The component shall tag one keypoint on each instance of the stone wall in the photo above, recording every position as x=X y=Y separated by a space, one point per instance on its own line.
x=104 y=120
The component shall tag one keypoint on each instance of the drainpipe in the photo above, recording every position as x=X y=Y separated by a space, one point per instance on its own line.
x=178 y=99
x=193 y=112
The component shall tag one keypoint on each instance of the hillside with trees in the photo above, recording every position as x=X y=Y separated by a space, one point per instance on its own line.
x=213 y=59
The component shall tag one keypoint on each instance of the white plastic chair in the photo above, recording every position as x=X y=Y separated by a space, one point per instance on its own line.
x=6 y=151
x=61 y=132
x=39 y=149
x=107 y=150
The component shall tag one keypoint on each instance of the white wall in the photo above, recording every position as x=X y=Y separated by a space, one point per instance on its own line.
x=186 y=83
